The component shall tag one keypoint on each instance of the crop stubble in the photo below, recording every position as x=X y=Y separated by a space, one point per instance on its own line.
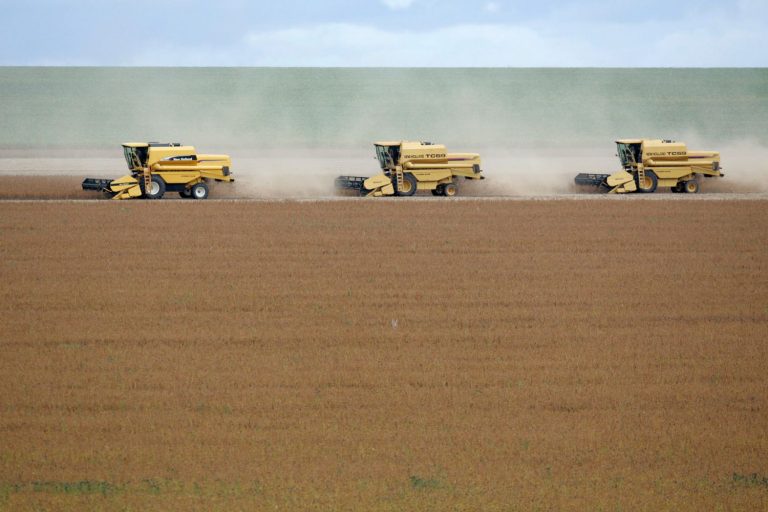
x=384 y=355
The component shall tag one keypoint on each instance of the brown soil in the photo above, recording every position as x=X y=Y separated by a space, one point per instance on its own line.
x=70 y=187
x=44 y=187
x=384 y=355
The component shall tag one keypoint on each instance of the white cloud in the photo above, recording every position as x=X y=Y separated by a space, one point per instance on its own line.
x=559 y=33
x=398 y=4
x=460 y=45
x=737 y=41
x=491 y=45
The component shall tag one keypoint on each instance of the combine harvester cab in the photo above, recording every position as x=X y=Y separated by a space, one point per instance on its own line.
x=648 y=164
x=408 y=167
x=157 y=168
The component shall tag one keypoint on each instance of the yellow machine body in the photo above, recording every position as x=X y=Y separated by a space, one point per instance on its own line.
x=157 y=168
x=651 y=163
x=408 y=167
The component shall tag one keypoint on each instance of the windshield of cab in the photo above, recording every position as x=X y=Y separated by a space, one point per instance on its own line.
x=388 y=156
x=382 y=155
x=629 y=154
x=135 y=157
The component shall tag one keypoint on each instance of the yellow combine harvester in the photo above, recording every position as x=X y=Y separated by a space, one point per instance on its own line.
x=648 y=164
x=157 y=168
x=411 y=166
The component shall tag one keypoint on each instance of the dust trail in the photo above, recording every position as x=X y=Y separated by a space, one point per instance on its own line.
x=522 y=171
x=302 y=172
x=745 y=165
x=297 y=172
x=534 y=128
x=310 y=173
x=519 y=171
x=536 y=171
x=551 y=170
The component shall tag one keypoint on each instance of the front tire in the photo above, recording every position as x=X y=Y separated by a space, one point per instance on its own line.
x=156 y=188
x=648 y=184
x=409 y=185
x=200 y=191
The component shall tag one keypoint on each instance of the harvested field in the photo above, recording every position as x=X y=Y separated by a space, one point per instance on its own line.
x=54 y=187
x=384 y=355
x=70 y=187
x=43 y=187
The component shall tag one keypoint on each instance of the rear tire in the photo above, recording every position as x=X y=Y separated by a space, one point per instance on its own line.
x=691 y=187
x=450 y=189
x=200 y=191
x=649 y=184
x=677 y=189
x=156 y=187
x=186 y=193
x=438 y=191
x=409 y=185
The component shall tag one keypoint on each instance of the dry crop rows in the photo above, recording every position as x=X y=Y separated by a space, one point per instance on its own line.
x=384 y=355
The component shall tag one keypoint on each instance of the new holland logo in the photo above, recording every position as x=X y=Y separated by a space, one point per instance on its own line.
x=427 y=155
x=668 y=153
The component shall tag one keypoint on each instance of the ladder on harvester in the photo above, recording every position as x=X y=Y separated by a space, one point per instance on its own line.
x=399 y=179
x=641 y=176
x=147 y=181
x=146 y=176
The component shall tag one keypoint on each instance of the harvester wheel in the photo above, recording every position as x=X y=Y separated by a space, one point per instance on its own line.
x=647 y=184
x=156 y=188
x=691 y=187
x=186 y=193
x=200 y=191
x=678 y=188
x=450 y=189
x=409 y=185
x=438 y=191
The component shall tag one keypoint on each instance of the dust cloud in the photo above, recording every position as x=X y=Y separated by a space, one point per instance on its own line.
x=296 y=172
x=307 y=173
x=508 y=172
x=311 y=173
x=290 y=132
x=745 y=166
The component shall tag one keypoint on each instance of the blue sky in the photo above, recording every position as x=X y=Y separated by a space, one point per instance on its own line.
x=621 y=33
